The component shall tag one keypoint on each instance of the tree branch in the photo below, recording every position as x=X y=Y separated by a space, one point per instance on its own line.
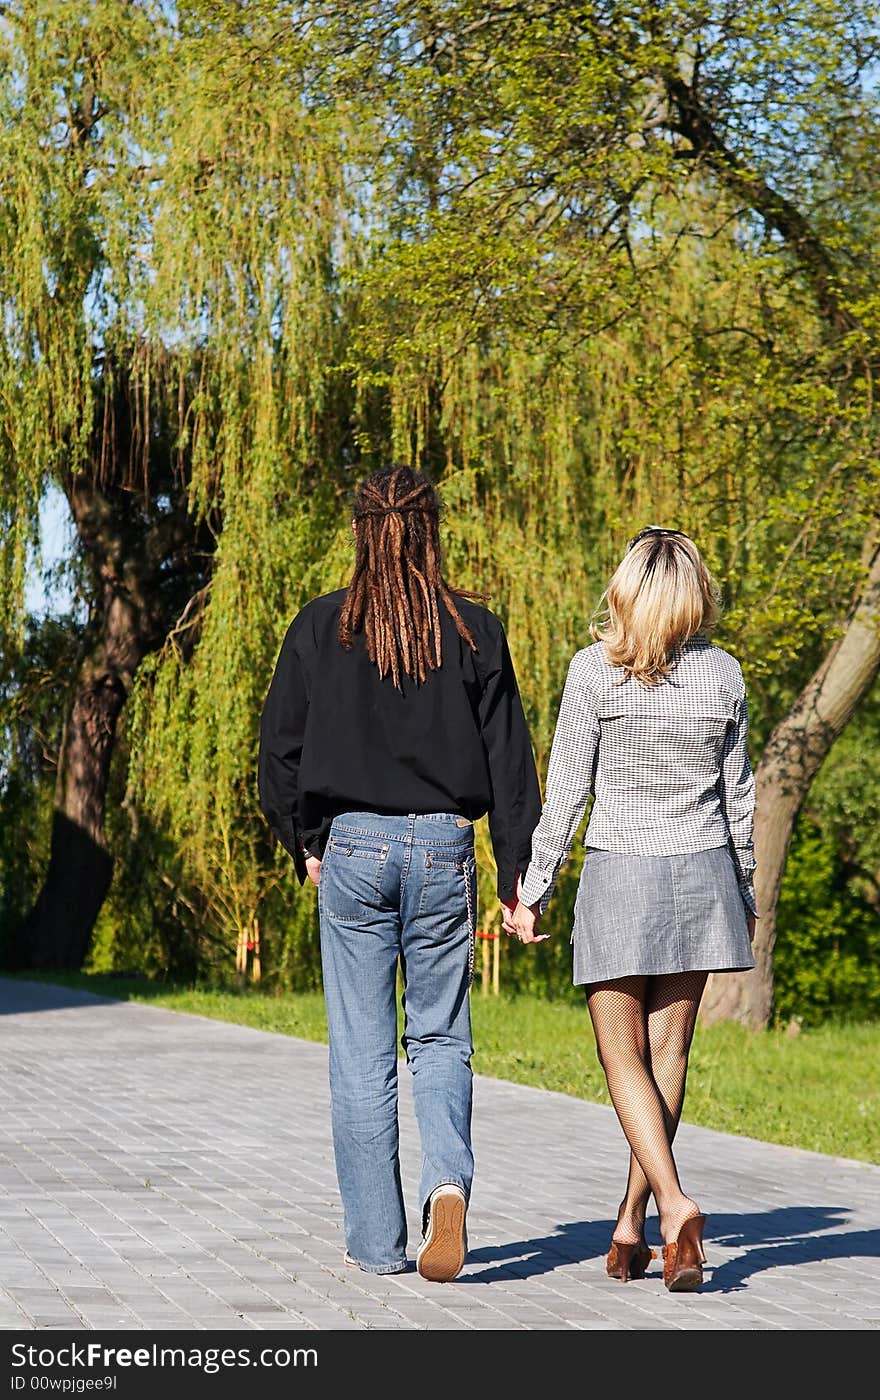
x=779 y=213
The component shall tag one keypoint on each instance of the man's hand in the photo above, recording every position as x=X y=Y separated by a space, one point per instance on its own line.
x=313 y=869
x=522 y=921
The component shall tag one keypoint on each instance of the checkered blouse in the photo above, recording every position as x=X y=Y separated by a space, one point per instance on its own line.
x=667 y=766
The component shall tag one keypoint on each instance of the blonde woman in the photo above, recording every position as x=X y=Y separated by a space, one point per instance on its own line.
x=653 y=725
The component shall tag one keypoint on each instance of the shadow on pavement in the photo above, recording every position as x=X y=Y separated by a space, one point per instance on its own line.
x=777 y=1238
x=571 y=1243
x=20 y=994
x=770 y=1239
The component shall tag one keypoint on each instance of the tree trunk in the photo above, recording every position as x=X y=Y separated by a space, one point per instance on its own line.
x=795 y=751
x=132 y=550
x=58 y=929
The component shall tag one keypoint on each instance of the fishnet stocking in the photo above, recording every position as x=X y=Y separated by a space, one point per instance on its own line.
x=643 y=1028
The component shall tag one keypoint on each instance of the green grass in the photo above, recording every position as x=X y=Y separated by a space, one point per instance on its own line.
x=819 y=1090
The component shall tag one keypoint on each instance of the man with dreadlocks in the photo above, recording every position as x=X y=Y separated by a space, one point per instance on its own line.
x=392 y=723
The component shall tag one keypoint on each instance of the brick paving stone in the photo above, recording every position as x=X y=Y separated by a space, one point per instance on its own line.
x=146 y=1184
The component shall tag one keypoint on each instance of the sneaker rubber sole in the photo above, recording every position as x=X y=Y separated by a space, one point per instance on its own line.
x=442 y=1253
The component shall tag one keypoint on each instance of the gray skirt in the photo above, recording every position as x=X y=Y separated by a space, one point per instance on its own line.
x=641 y=915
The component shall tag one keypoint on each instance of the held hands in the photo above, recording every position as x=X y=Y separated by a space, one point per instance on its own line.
x=313 y=869
x=521 y=920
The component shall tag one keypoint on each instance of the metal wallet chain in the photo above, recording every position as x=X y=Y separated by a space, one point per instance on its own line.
x=472 y=924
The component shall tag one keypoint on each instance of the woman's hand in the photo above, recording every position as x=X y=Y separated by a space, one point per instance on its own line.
x=313 y=869
x=522 y=921
x=750 y=925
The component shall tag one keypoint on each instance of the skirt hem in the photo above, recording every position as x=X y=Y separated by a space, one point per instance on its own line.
x=581 y=981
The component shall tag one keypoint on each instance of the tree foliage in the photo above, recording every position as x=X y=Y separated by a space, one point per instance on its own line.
x=592 y=267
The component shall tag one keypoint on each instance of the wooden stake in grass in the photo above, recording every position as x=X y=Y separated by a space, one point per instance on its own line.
x=496 y=962
x=489 y=960
x=255 y=946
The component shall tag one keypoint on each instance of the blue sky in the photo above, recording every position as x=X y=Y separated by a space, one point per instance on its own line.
x=43 y=593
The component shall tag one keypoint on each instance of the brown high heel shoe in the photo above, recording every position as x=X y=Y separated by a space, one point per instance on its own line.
x=626 y=1261
x=683 y=1259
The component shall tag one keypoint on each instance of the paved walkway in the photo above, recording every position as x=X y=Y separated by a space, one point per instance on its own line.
x=166 y=1171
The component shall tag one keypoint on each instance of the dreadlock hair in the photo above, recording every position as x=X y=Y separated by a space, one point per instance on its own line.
x=393 y=595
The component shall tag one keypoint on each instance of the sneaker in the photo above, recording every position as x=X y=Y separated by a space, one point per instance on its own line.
x=444 y=1247
x=353 y=1263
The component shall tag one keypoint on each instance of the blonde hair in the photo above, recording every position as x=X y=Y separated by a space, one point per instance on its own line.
x=660 y=597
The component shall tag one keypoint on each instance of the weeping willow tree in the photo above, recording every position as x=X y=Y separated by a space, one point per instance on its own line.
x=87 y=402
x=169 y=232
x=251 y=236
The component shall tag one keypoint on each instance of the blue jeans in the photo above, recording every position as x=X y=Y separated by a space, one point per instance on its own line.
x=397 y=889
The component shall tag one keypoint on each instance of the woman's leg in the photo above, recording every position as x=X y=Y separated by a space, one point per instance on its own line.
x=671 y=1005
x=619 y=1015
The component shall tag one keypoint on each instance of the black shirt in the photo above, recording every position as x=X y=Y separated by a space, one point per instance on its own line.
x=335 y=737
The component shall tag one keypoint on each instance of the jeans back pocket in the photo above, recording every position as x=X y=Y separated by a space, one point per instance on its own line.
x=351 y=877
